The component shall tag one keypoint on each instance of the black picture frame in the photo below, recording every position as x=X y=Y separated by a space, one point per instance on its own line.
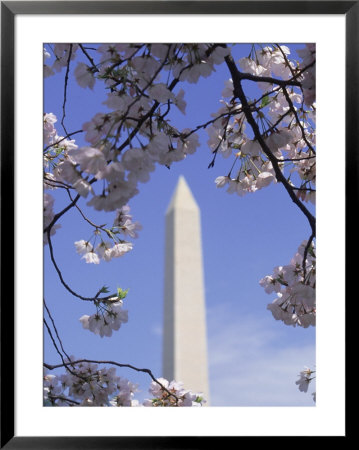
x=9 y=9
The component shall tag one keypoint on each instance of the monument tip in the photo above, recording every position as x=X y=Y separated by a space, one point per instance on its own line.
x=182 y=197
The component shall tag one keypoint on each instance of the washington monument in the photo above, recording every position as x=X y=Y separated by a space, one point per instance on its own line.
x=184 y=337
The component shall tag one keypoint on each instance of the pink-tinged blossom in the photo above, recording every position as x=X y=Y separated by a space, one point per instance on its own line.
x=251 y=148
x=250 y=66
x=295 y=304
x=112 y=52
x=270 y=284
x=90 y=159
x=130 y=228
x=228 y=89
x=188 y=145
x=122 y=215
x=97 y=127
x=160 y=92
x=305 y=377
x=276 y=141
x=308 y=55
x=123 y=222
x=82 y=187
x=104 y=250
x=109 y=320
x=48 y=215
x=120 y=249
x=52 y=387
x=180 y=102
x=84 y=76
x=47 y=69
x=221 y=181
x=264 y=179
x=180 y=397
x=111 y=172
x=49 y=129
x=91 y=258
x=118 y=101
x=83 y=247
x=62 y=53
x=125 y=394
x=264 y=56
x=66 y=171
x=161 y=50
x=201 y=69
x=218 y=54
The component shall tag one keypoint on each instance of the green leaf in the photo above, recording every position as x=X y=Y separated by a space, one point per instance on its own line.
x=104 y=290
x=121 y=294
x=265 y=101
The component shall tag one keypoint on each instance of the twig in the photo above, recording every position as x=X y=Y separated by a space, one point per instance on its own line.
x=61 y=213
x=82 y=214
x=89 y=58
x=305 y=254
x=291 y=106
x=67 y=287
x=57 y=334
x=64 y=364
x=62 y=139
x=65 y=399
x=65 y=89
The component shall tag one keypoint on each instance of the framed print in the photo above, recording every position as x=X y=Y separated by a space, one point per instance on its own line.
x=134 y=287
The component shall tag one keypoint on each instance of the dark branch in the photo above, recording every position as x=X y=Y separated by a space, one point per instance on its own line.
x=65 y=89
x=129 y=366
x=62 y=139
x=237 y=78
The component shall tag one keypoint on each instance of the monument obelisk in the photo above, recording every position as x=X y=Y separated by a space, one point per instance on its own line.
x=184 y=336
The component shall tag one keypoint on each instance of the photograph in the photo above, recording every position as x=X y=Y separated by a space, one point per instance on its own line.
x=179 y=224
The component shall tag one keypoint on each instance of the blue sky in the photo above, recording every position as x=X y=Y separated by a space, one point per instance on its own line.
x=253 y=360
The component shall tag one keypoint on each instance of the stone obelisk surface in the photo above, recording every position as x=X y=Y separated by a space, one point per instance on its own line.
x=185 y=336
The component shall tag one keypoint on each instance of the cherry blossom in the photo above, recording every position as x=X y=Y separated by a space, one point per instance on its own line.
x=49 y=215
x=295 y=286
x=109 y=316
x=305 y=378
x=180 y=397
x=84 y=75
x=87 y=384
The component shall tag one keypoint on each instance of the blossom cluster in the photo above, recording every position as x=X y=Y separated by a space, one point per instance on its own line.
x=268 y=61
x=104 y=250
x=123 y=222
x=109 y=316
x=108 y=250
x=56 y=148
x=137 y=105
x=63 y=53
x=294 y=285
x=291 y=140
x=85 y=384
x=308 y=84
x=174 y=394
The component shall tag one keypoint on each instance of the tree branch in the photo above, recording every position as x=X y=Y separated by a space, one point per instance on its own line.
x=65 y=89
x=114 y=363
x=237 y=77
